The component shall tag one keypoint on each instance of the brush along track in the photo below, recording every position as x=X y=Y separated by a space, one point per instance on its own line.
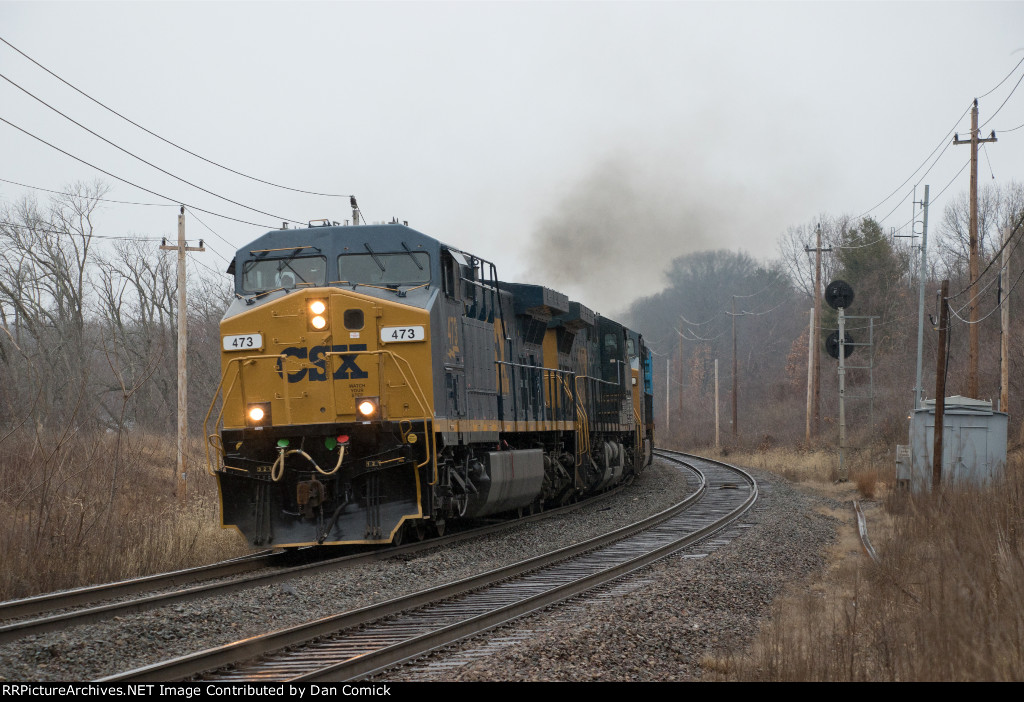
x=355 y=644
x=280 y=567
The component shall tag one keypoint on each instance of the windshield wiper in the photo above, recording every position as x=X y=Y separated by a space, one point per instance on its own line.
x=375 y=259
x=409 y=251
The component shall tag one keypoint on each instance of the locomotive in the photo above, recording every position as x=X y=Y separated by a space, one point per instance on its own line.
x=378 y=384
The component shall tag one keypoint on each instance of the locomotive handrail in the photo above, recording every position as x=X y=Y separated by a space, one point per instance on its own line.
x=238 y=374
x=583 y=432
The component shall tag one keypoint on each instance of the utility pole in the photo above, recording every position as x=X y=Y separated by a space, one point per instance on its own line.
x=668 y=385
x=814 y=340
x=920 y=300
x=940 y=386
x=810 y=377
x=972 y=375
x=181 y=248
x=717 y=442
x=681 y=374
x=1004 y=328
x=735 y=394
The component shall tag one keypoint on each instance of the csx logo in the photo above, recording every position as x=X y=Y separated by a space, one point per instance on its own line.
x=348 y=370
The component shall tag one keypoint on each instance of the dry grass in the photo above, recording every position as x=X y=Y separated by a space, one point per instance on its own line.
x=946 y=601
x=87 y=508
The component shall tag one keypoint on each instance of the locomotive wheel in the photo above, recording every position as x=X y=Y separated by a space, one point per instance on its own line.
x=399 y=536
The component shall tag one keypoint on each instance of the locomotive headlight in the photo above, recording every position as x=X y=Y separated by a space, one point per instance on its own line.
x=368 y=407
x=257 y=415
x=317 y=320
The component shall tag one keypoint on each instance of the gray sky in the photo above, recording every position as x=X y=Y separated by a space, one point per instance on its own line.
x=579 y=145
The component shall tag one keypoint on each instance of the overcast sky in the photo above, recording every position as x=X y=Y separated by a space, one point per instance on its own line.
x=579 y=145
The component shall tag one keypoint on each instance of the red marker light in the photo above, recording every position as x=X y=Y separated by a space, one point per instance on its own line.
x=343 y=439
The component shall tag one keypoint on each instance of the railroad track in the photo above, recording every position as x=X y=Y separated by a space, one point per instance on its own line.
x=57 y=611
x=366 y=641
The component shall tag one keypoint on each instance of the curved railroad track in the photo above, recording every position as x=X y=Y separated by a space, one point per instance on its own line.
x=365 y=641
x=57 y=611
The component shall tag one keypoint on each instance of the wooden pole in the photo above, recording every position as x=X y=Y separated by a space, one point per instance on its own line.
x=181 y=470
x=735 y=375
x=940 y=386
x=813 y=341
x=972 y=361
x=810 y=377
x=1004 y=329
x=717 y=442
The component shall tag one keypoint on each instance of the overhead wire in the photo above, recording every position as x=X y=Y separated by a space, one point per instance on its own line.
x=995 y=256
x=42 y=230
x=88 y=197
x=1012 y=71
x=995 y=309
x=900 y=186
x=208 y=228
x=142 y=160
x=168 y=141
x=124 y=180
x=945 y=140
x=992 y=116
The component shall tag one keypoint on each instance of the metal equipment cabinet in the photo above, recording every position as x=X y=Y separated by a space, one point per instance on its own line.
x=973 y=445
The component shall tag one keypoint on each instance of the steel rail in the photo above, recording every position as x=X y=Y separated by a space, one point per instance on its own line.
x=49 y=602
x=442 y=598
x=60 y=621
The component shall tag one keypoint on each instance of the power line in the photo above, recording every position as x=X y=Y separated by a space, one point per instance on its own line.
x=87 y=197
x=995 y=256
x=166 y=141
x=1004 y=101
x=1014 y=70
x=123 y=180
x=195 y=260
x=41 y=230
x=943 y=141
x=139 y=158
x=214 y=233
x=993 y=310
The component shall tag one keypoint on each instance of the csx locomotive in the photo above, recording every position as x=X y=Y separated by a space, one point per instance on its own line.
x=378 y=384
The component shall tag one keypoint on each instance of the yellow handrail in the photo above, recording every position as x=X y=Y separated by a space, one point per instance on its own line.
x=241 y=360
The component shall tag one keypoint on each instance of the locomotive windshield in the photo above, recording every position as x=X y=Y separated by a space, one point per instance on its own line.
x=385 y=269
x=273 y=273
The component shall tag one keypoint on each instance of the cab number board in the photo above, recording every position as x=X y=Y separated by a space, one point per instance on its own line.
x=243 y=342
x=392 y=334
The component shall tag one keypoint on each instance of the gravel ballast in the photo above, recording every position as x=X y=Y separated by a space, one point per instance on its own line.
x=659 y=624
x=92 y=651
x=673 y=621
